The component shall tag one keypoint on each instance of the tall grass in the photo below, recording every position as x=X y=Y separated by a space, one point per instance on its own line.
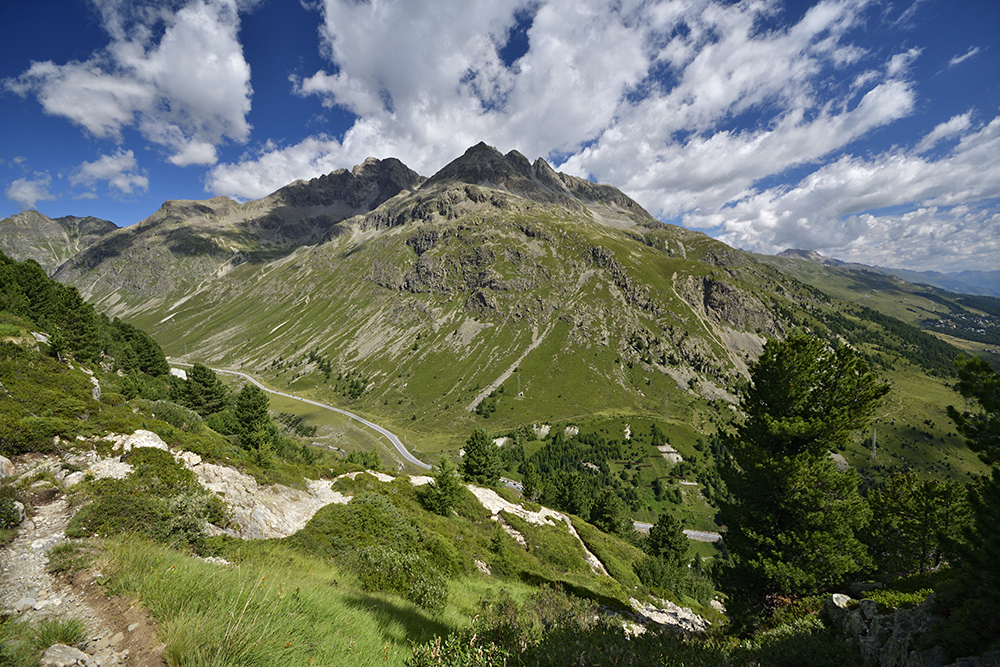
x=274 y=607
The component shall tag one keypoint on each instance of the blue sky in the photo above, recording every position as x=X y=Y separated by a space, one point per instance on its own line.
x=869 y=131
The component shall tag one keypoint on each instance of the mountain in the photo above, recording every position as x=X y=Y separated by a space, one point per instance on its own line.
x=497 y=293
x=985 y=283
x=50 y=242
x=969 y=320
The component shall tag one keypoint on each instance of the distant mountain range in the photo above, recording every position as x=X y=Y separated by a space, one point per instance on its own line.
x=986 y=283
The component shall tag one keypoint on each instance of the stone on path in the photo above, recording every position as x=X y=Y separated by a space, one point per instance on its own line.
x=60 y=655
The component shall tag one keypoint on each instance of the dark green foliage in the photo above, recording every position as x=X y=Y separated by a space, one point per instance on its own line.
x=203 y=391
x=972 y=603
x=912 y=519
x=72 y=324
x=610 y=514
x=369 y=460
x=794 y=519
x=160 y=499
x=442 y=494
x=981 y=429
x=481 y=464
x=367 y=520
x=668 y=542
x=135 y=350
x=387 y=570
x=530 y=483
x=296 y=425
x=8 y=512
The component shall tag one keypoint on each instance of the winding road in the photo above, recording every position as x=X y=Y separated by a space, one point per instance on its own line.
x=391 y=437
x=641 y=526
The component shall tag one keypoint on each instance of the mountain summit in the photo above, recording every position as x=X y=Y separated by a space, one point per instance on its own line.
x=485 y=166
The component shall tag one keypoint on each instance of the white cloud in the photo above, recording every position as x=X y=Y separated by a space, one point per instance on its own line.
x=28 y=191
x=120 y=171
x=693 y=107
x=188 y=92
x=957 y=60
x=840 y=209
x=952 y=127
x=590 y=86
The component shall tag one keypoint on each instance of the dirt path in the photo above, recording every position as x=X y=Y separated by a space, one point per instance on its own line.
x=118 y=631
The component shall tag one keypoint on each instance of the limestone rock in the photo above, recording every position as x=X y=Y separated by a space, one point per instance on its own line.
x=6 y=467
x=60 y=655
x=73 y=479
x=141 y=438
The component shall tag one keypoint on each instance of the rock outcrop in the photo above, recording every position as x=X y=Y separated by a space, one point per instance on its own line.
x=887 y=640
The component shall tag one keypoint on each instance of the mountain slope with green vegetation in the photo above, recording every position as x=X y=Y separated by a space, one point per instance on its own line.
x=967 y=321
x=403 y=571
x=495 y=294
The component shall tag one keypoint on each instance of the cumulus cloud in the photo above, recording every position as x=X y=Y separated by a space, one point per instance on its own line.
x=695 y=108
x=599 y=81
x=177 y=73
x=30 y=190
x=840 y=208
x=120 y=170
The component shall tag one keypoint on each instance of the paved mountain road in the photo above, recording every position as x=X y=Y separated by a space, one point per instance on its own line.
x=391 y=437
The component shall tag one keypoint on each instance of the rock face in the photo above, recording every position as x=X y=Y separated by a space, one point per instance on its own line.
x=886 y=640
x=50 y=242
x=363 y=188
x=262 y=512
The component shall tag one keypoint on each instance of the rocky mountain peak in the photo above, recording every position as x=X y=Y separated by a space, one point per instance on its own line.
x=485 y=166
x=33 y=235
x=809 y=256
x=362 y=188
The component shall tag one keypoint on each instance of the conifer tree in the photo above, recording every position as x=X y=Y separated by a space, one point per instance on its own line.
x=481 y=464
x=667 y=541
x=793 y=518
x=975 y=615
x=252 y=418
x=444 y=491
x=204 y=392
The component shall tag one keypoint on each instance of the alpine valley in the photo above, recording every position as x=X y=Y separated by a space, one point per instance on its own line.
x=495 y=294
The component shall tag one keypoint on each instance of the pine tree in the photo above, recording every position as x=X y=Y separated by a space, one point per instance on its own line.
x=974 y=625
x=531 y=483
x=793 y=518
x=204 y=392
x=667 y=541
x=446 y=488
x=610 y=514
x=252 y=418
x=481 y=464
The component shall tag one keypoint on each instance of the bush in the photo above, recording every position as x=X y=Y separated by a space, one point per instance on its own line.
x=8 y=513
x=390 y=571
x=176 y=415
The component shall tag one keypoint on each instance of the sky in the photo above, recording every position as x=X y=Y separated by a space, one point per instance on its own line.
x=867 y=131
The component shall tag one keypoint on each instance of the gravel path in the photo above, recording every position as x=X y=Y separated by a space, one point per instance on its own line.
x=118 y=632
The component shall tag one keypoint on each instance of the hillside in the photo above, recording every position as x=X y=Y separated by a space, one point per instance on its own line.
x=50 y=242
x=500 y=294
x=222 y=536
x=328 y=548
x=970 y=322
